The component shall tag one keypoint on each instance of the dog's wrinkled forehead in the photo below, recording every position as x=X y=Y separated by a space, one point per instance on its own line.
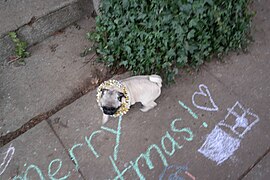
x=110 y=98
x=109 y=92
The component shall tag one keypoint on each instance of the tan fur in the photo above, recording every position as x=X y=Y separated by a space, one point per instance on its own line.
x=143 y=89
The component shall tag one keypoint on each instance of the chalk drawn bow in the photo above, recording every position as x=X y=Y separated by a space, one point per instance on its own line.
x=9 y=155
x=204 y=91
x=177 y=173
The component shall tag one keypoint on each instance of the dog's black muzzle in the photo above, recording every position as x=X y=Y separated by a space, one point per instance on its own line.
x=109 y=110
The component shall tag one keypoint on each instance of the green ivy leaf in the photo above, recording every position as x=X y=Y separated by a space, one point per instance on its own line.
x=128 y=49
x=160 y=36
x=191 y=34
x=193 y=23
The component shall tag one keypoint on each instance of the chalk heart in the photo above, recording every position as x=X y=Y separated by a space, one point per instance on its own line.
x=204 y=91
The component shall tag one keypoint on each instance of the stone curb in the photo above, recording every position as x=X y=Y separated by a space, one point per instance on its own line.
x=39 y=29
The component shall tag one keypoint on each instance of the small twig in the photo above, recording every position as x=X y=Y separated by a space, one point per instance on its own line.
x=13 y=60
x=85 y=63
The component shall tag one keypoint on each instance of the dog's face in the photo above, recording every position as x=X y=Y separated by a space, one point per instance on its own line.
x=110 y=101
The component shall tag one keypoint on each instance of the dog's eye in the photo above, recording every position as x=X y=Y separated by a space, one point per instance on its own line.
x=120 y=98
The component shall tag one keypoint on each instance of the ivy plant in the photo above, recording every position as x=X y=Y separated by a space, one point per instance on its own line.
x=154 y=36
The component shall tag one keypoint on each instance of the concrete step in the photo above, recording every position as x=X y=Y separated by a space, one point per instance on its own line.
x=35 y=20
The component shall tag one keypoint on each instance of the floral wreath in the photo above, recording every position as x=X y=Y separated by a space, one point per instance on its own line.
x=114 y=83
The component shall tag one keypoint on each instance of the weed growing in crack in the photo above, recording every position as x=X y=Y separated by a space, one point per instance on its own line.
x=20 y=49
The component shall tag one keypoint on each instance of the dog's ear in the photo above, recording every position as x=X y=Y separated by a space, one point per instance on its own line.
x=103 y=90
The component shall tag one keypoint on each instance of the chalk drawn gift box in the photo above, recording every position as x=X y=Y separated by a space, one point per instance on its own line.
x=219 y=145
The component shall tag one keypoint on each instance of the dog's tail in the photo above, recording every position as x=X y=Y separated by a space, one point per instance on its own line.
x=156 y=79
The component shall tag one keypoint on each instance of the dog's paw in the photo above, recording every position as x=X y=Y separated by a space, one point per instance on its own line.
x=148 y=106
x=105 y=119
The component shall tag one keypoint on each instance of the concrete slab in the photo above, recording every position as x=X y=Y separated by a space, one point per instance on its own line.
x=248 y=76
x=53 y=72
x=206 y=126
x=48 y=25
x=36 y=154
x=173 y=144
x=34 y=21
x=261 y=170
x=250 y=71
x=16 y=13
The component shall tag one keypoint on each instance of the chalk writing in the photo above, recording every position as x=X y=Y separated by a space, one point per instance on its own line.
x=88 y=141
x=51 y=175
x=8 y=156
x=174 y=144
x=17 y=178
x=118 y=133
x=116 y=169
x=115 y=132
x=149 y=163
x=204 y=91
x=193 y=114
x=40 y=174
x=219 y=145
x=71 y=153
x=205 y=124
x=34 y=167
x=185 y=132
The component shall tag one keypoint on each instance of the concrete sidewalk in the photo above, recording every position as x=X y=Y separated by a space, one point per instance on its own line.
x=36 y=20
x=54 y=72
x=211 y=124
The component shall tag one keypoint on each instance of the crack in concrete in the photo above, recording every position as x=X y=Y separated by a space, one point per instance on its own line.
x=79 y=92
x=255 y=163
x=65 y=148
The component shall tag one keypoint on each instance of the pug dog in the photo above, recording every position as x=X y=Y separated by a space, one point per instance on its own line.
x=115 y=97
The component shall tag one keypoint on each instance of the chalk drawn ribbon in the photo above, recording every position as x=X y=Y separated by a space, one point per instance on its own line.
x=204 y=91
x=177 y=173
